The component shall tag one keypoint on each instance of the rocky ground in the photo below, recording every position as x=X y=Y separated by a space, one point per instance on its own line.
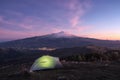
x=70 y=71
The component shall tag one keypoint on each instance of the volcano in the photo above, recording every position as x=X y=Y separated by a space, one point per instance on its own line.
x=58 y=40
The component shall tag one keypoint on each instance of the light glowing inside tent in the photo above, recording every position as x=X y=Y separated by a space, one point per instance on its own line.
x=46 y=62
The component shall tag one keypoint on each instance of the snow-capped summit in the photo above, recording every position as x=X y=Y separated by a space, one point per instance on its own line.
x=62 y=34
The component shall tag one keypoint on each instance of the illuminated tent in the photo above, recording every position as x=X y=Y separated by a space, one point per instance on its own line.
x=46 y=62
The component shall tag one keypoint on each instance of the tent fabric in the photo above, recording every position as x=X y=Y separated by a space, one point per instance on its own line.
x=46 y=62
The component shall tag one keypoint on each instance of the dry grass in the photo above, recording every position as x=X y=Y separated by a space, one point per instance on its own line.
x=71 y=71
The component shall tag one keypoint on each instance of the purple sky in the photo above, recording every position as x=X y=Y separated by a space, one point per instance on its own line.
x=87 y=18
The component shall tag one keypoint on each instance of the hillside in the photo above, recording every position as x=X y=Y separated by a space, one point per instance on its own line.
x=58 y=40
x=87 y=63
x=87 y=53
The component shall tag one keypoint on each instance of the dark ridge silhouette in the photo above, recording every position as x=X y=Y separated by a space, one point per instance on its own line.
x=58 y=40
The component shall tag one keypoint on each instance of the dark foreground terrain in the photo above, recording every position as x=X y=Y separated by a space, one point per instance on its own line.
x=70 y=71
x=79 y=63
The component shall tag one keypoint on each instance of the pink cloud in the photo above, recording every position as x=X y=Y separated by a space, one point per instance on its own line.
x=78 y=10
x=74 y=21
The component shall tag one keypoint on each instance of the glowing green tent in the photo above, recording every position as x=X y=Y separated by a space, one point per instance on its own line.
x=46 y=62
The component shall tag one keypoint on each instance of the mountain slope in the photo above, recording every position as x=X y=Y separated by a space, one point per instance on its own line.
x=58 y=40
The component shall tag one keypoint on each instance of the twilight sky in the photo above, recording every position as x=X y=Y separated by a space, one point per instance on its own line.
x=87 y=18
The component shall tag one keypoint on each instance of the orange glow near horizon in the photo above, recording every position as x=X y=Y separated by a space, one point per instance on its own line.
x=105 y=36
